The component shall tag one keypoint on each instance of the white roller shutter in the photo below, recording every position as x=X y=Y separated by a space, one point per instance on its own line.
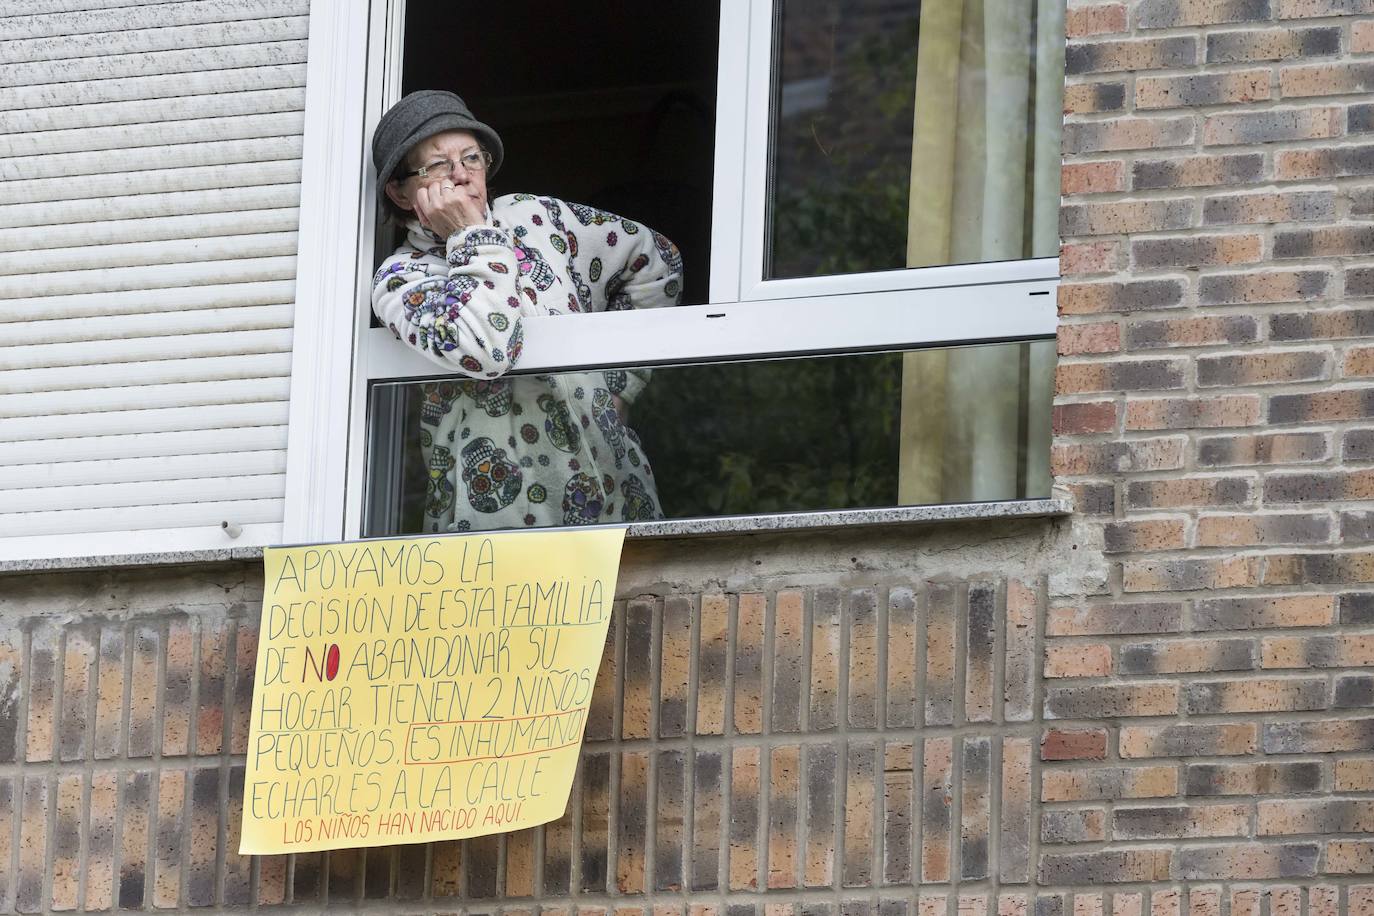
x=150 y=165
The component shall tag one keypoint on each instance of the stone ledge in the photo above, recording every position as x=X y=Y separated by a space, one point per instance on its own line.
x=679 y=528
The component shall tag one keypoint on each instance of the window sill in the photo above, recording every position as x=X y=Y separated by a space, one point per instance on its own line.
x=700 y=527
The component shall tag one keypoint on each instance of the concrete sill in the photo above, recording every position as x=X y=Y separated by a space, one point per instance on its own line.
x=721 y=526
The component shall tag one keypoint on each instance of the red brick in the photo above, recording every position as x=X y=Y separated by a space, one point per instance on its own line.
x=1140 y=535
x=1123 y=375
x=1237 y=209
x=1197 y=171
x=1121 y=217
x=1129 y=55
x=1358 y=362
x=1272 y=126
x=1078 y=660
x=1264 y=448
x=1193 y=413
x=1095 y=298
x=1201 y=89
x=1074 y=744
x=1100 y=19
x=1191 y=332
x=1168 y=14
x=1080 y=784
x=1097 y=337
x=1085 y=418
x=1190 y=575
x=1257 y=287
x=1233 y=47
x=1362 y=37
x=1141 y=455
x=1326 y=79
x=1093 y=98
x=1196 y=251
x=1259 y=530
x=1265 y=368
x=1093 y=177
x=1086 y=258
x=1128 y=134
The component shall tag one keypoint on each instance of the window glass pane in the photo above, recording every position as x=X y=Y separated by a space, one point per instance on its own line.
x=909 y=134
x=753 y=437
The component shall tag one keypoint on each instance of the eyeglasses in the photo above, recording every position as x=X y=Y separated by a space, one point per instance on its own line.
x=475 y=161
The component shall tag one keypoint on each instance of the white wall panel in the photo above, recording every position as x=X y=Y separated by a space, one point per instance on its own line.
x=149 y=205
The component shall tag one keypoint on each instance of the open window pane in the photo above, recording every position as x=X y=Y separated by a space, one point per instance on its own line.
x=912 y=134
x=737 y=438
x=610 y=104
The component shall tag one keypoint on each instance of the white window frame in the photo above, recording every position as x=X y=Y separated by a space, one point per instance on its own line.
x=359 y=77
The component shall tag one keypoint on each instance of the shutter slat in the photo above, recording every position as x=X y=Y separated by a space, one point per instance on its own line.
x=55 y=17
x=143 y=301
x=139 y=518
x=128 y=422
x=132 y=327
x=137 y=493
x=147 y=372
x=143 y=445
x=155 y=111
x=26 y=9
x=146 y=205
x=147 y=136
x=139 y=88
x=116 y=66
x=104 y=232
x=178 y=348
x=153 y=276
x=181 y=155
x=133 y=254
x=149 y=207
x=161 y=181
x=143 y=397
x=166 y=38
x=131 y=470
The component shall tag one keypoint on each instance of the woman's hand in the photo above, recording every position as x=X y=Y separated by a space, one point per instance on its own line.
x=445 y=208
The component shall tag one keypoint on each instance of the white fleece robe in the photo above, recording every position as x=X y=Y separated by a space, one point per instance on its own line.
x=524 y=451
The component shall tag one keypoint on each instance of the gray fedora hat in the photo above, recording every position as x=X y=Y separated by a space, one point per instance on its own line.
x=420 y=116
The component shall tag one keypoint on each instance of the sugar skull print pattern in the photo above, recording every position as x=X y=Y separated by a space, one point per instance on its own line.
x=511 y=450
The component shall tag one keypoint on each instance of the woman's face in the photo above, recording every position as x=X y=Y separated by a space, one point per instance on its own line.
x=452 y=145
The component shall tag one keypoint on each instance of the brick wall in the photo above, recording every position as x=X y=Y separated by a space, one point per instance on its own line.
x=1213 y=418
x=828 y=724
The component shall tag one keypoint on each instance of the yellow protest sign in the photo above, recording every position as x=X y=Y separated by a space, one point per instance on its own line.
x=423 y=689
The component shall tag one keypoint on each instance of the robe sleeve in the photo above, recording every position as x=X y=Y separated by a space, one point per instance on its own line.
x=628 y=266
x=463 y=314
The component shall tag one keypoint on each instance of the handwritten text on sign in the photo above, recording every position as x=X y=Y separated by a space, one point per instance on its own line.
x=423 y=689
